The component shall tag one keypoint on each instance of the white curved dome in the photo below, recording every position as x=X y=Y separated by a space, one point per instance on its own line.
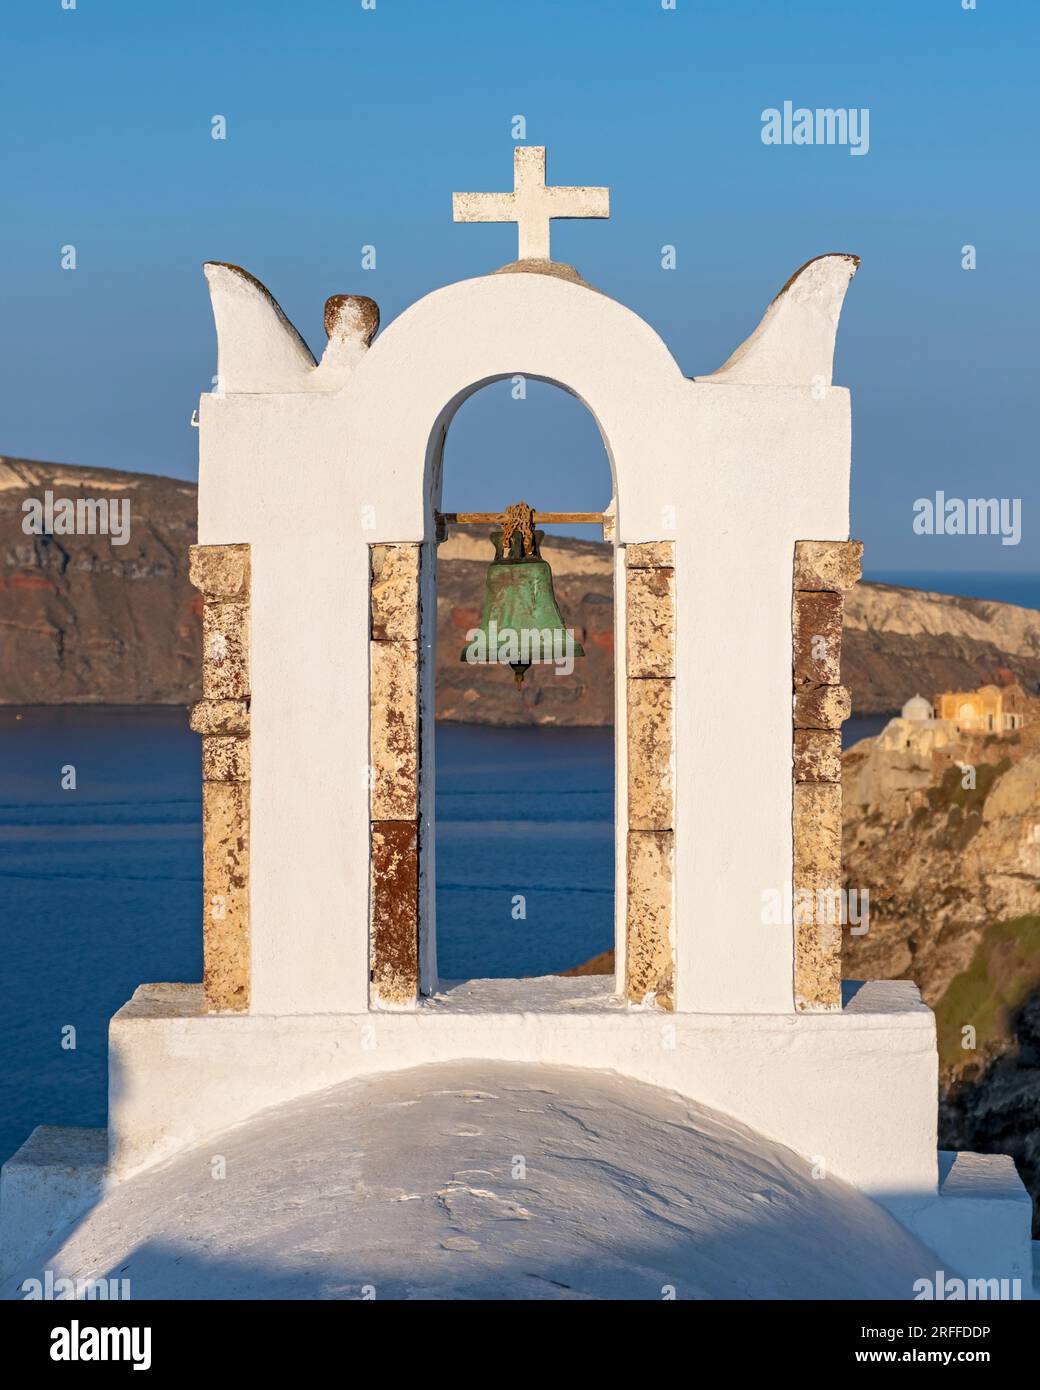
x=406 y=1181
x=917 y=708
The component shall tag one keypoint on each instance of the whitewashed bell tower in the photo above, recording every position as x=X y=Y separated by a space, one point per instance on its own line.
x=319 y=495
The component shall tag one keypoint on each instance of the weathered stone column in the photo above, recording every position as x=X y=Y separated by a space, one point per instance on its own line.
x=823 y=570
x=650 y=690
x=394 y=775
x=221 y=574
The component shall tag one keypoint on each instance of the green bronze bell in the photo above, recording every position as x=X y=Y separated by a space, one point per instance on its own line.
x=520 y=622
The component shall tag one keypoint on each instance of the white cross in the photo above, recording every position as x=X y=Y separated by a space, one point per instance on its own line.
x=531 y=204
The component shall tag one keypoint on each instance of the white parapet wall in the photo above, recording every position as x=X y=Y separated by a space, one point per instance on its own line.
x=57 y=1174
x=853 y=1092
x=979 y=1223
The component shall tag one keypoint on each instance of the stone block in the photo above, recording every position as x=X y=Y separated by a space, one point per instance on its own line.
x=817 y=755
x=394 y=730
x=220 y=717
x=395 y=592
x=817 y=833
x=817 y=639
x=220 y=571
x=395 y=912
x=225 y=879
x=650 y=740
x=649 y=954
x=650 y=607
x=225 y=759
x=831 y=565
x=817 y=965
x=822 y=707
x=225 y=651
x=650 y=555
x=817 y=896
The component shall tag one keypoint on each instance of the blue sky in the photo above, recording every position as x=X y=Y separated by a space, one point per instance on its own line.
x=348 y=126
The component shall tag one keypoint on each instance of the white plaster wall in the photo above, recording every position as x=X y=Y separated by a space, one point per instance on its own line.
x=272 y=474
x=853 y=1090
x=746 y=471
x=766 y=466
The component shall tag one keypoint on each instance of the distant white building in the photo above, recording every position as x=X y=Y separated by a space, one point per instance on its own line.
x=916 y=729
x=918 y=709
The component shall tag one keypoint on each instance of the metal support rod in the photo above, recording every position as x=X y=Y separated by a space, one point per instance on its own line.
x=557 y=518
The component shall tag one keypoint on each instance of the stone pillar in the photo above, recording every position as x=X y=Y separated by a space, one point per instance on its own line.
x=221 y=574
x=650 y=691
x=394 y=775
x=823 y=570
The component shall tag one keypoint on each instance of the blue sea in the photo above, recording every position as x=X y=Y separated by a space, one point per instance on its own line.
x=100 y=888
x=1022 y=588
x=525 y=825
x=101 y=884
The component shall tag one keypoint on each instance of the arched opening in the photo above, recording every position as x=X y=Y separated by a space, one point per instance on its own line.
x=523 y=815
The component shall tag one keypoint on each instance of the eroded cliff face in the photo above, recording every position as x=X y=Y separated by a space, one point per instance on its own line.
x=900 y=642
x=947 y=839
x=83 y=621
x=944 y=831
x=86 y=621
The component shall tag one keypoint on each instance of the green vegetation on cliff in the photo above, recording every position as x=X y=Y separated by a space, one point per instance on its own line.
x=1003 y=972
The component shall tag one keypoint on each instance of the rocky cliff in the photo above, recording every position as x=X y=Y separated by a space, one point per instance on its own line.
x=898 y=642
x=944 y=830
x=84 y=621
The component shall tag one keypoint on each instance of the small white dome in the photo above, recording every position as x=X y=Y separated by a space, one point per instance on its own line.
x=917 y=708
